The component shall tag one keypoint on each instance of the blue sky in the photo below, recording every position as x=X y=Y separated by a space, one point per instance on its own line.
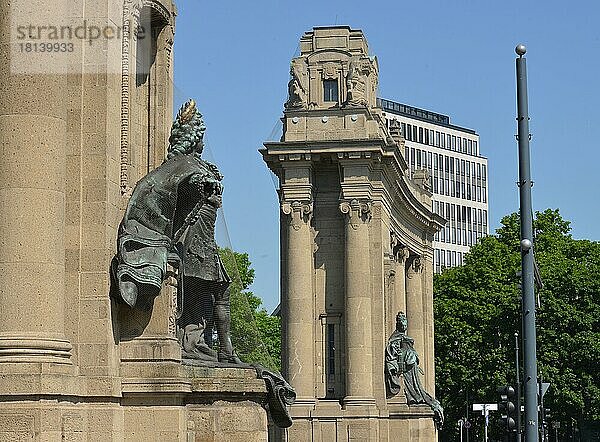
x=454 y=58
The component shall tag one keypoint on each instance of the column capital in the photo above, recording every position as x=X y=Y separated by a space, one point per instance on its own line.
x=414 y=265
x=399 y=252
x=299 y=211
x=357 y=211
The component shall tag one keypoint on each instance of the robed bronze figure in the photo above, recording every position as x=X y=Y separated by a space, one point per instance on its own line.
x=402 y=370
x=170 y=218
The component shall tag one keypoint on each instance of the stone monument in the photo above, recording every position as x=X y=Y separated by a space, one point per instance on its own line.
x=78 y=129
x=356 y=248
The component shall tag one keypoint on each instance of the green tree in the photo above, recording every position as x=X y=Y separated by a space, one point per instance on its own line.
x=255 y=334
x=477 y=311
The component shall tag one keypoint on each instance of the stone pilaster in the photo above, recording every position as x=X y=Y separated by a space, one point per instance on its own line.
x=298 y=302
x=414 y=302
x=33 y=114
x=399 y=298
x=359 y=354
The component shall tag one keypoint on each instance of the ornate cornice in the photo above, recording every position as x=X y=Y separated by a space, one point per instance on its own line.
x=357 y=211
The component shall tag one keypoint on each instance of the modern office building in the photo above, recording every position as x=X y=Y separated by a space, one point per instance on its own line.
x=458 y=177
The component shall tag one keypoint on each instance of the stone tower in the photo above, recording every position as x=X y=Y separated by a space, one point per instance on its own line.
x=356 y=247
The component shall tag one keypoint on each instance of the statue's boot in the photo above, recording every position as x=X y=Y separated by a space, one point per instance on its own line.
x=223 y=320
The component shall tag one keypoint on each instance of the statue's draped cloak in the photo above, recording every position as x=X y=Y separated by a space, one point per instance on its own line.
x=402 y=361
x=156 y=210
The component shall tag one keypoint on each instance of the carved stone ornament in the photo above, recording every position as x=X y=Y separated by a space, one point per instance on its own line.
x=330 y=71
x=357 y=81
x=298 y=85
x=414 y=265
x=359 y=212
x=300 y=212
x=398 y=251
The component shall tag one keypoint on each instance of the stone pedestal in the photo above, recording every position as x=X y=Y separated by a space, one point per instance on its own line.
x=188 y=404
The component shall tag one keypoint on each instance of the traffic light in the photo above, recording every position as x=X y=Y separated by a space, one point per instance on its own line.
x=507 y=408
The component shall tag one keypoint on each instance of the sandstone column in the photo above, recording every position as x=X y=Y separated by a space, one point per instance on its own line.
x=414 y=303
x=298 y=304
x=359 y=355
x=428 y=325
x=33 y=115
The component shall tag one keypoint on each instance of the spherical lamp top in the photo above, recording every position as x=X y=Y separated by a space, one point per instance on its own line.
x=520 y=50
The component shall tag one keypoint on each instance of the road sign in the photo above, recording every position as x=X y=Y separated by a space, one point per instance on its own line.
x=545 y=386
x=483 y=407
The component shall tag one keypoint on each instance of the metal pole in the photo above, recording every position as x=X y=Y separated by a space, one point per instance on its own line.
x=485 y=416
x=527 y=265
x=518 y=438
x=542 y=414
x=467 y=428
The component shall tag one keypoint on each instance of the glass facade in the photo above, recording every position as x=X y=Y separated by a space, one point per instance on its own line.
x=458 y=178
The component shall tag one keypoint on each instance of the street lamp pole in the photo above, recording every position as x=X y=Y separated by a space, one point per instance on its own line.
x=530 y=383
x=518 y=388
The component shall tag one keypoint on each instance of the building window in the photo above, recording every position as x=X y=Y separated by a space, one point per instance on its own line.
x=332 y=381
x=330 y=90
x=331 y=349
x=485 y=223
x=429 y=162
